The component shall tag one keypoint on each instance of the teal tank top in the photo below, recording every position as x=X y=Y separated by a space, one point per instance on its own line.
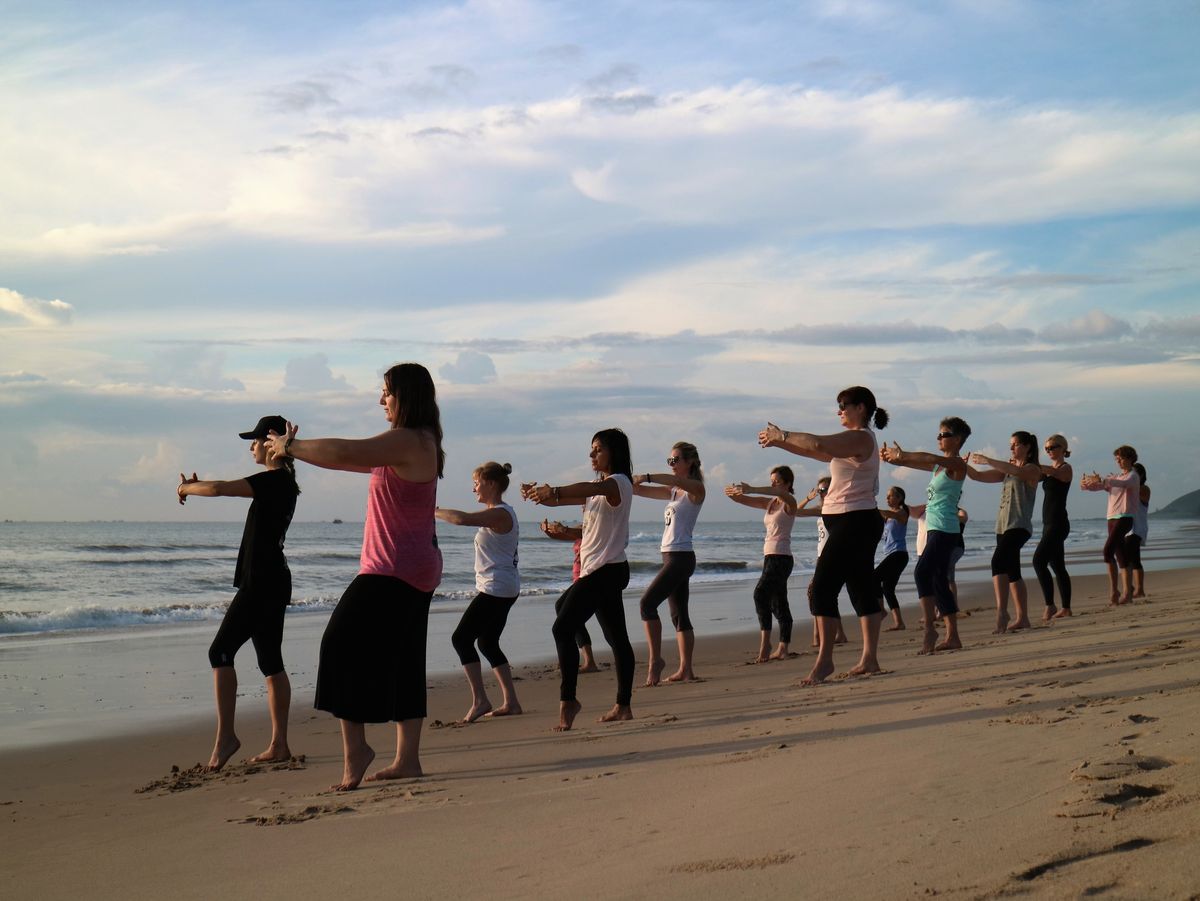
x=941 y=513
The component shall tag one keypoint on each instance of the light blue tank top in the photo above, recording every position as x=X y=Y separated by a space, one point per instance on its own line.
x=941 y=513
x=895 y=537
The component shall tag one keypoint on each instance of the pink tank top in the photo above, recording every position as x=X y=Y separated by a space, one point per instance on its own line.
x=399 y=538
x=853 y=485
x=779 y=529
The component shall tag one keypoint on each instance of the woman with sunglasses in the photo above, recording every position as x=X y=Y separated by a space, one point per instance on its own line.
x=683 y=490
x=1020 y=475
x=851 y=515
x=933 y=572
x=770 y=594
x=1050 y=553
x=1122 y=488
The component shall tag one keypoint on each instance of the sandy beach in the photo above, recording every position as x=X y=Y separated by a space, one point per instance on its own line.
x=1056 y=762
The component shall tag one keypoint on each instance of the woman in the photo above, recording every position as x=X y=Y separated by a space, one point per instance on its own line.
x=818 y=494
x=1122 y=488
x=603 y=574
x=498 y=584
x=1138 y=534
x=895 y=552
x=934 y=569
x=372 y=663
x=683 y=490
x=583 y=639
x=851 y=516
x=264 y=590
x=1020 y=475
x=770 y=594
x=1050 y=553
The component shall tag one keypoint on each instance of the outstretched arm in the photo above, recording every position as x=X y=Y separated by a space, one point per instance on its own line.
x=194 y=487
x=1063 y=473
x=571 y=495
x=395 y=447
x=737 y=494
x=693 y=487
x=1030 y=473
x=494 y=518
x=854 y=443
x=560 y=532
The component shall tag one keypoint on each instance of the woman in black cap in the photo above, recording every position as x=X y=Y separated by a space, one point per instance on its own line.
x=264 y=590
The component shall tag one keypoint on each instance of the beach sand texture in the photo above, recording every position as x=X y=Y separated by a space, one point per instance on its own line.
x=1057 y=762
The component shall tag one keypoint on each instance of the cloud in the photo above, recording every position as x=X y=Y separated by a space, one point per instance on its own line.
x=471 y=368
x=613 y=78
x=300 y=96
x=1094 y=326
x=193 y=366
x=312 y=374
x=626 y=103
x=35 y=312
x=14 y=378
x=1184 y=330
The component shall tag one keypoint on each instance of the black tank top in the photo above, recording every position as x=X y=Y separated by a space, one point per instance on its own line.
x=1054 y=503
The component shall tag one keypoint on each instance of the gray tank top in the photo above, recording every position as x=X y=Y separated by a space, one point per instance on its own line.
x=1016 y=505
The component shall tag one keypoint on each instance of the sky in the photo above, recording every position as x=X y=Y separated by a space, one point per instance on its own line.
x=680 y=218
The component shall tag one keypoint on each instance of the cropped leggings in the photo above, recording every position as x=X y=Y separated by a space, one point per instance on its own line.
x=770 y=595
x=1133 y=551
x=255 y=616
x=1114 y=548
x=483 y=621
x=598 y=593
x=888 y=573
x=935 y=570
x=1006 y=559
x=671 y=585
x=848 y=559
x=1050 y=555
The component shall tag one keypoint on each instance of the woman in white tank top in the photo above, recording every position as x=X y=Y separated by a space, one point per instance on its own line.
x=851 y=516
x=683 y=490
x=498 y=584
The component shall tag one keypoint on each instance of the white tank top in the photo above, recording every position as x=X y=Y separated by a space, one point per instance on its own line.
x=779 y=529
x=605 y=528
x=854 y=485
x=680 y=517
x=1141 y=522
x=922 y=534
x=496 y=559
x=822 y=535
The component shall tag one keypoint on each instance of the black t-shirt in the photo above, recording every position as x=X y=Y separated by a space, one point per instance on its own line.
x=260 y=559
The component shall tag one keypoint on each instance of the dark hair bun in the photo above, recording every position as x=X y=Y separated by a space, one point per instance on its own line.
x=507 y=467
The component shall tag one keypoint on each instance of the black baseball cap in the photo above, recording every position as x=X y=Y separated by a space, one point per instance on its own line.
x=276 y=424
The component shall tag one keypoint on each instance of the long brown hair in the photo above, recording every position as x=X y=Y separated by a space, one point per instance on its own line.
x=416 y=403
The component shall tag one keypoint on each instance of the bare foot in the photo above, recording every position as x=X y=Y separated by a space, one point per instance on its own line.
x=355 y=766
x=780 y=653
x=897 y=627
x=761 y=659
x=840 y=638
x=1062 y=613
x=928 y=642
x=273 y=754
x=1139 y=595
x=654 y=672
x=1001 y=623
x=619 y=712
x=222 y=751
x=950 y=644
x=1048 y=613
x=865 y=668
x=1114 y=599
x=589 y=668
x=683 y=675
x=1022 y=623
x=818 y=675
x=513 y=709
x=567 y=711
x=395 y=771
x=1125 y=599
x=478 y=709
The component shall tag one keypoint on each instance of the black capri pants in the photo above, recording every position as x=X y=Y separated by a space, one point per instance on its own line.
x=848 y=559
x=671 y=585
x=1133 y=551
x=888 y=574
x=1051 y=554
x=1114 y=547
x=372 y=665
x=483 y=621
x=770 y=595
x=935 y=570
x=254 y=615
x=1006 y=559
x=599 y=594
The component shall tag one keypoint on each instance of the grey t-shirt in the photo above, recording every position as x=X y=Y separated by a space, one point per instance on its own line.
x=1016 y=505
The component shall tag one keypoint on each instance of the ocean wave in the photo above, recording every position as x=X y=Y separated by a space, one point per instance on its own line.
x=703 y=566
x=136 y=548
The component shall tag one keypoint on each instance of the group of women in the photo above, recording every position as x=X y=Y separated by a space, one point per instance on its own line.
x=372 y=656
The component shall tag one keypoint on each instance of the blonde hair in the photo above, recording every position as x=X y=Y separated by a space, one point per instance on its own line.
x=692 y=456
x=496 y=473
x=1059 y=439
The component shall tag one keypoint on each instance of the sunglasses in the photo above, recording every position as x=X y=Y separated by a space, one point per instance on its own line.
x=671 y=461
x=941 y=435
x=1053 y=447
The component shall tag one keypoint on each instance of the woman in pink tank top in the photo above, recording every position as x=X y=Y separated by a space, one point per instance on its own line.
x=372 y=665
x=852 y=520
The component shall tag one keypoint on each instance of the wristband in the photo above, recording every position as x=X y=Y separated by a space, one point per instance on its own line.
x=555 y=490
x=287 y=446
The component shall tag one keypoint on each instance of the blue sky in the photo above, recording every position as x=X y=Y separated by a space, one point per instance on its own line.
x=680 y=218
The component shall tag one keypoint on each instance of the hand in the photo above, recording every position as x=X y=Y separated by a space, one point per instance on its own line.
x=979 y=459
x=771 y=436
x=539 y=494
x=276 y=444
x=812 y=494
x=737 y=489
x=184 y=480
x=891 y=454
x=641 y=478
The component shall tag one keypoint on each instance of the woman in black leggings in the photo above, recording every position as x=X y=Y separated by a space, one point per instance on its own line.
x=895 y=552
x=1056 y=526
x=264 y=585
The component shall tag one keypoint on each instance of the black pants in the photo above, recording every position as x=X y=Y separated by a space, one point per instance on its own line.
x=482 y=621
x=1051 y=554
x=256 y=616
x=598 y=593
x=888 y=574
x=583 y=638
x=671 y=585
x=770 y=595
x=1133 y=551
x=1114 y=547
x=372 y=664
x=935 y=570
x=1006 y=559
x=848 y=559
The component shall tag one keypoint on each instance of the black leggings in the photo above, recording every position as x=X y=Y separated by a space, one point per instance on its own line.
x=1051 y=554
x=372 y=664
x=1133 y=551
x=583 y=638
x=1006 y=559
x=848 y=559
x=1114 y=548
x=770 y=595
x=255 y=616
x=935 y=570
x=482 y=621
x=597 y=593
x=888 y=573
x=671 y=585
